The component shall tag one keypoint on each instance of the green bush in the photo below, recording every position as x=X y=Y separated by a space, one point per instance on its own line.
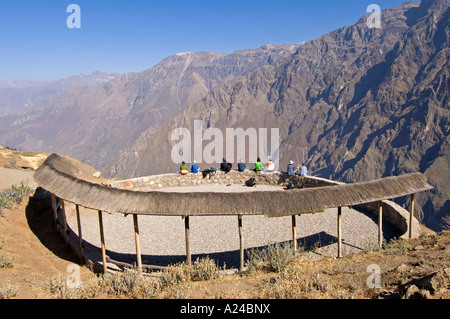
x=14 y=195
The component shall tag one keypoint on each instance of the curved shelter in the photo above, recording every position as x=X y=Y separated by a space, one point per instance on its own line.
x=67 y=179
x=62 y=176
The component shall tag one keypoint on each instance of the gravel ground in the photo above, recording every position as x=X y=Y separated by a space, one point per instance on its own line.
x=163 y=238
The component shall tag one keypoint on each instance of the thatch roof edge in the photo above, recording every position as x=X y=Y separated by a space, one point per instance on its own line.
x=56 y=175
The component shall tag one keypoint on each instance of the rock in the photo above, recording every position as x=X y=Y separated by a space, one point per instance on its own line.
x=436 y=282
x=402 y=268
x=413 y=292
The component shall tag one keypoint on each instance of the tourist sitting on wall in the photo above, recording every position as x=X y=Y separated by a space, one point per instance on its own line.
x=194 y=168
x=258 y=165
x=225 y=166
x=183 y=169
x=303 y=170
x=241 y=166
x=270 y=166
x=291 y=168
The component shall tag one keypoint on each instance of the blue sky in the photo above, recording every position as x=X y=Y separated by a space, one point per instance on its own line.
x=130 y=36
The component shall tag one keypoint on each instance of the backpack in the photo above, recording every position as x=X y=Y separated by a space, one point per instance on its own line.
x=250 y=182
x=290 y=186
x=209 y=172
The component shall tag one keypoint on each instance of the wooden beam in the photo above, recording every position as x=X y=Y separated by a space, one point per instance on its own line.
x=380 y=224
x=187 y=235
x=138 y=243
x=102 y=239
x=55 y=210
x=294 y=233
x=63 y=211
x=241 y=244
x=339 y=231
x=411 y=215
x=80 y=235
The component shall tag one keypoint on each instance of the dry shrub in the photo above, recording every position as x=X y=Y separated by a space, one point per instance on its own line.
x=8 y=291
x=130 y=284
x=87 y=289
x=201 y=269
x=307 y=279
x=274 y=257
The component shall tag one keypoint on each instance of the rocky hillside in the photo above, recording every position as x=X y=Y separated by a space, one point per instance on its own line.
x=94 y=123
x=356 y=104
x=11 y=158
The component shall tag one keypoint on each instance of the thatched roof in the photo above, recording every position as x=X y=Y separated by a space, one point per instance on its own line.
x=58 y=175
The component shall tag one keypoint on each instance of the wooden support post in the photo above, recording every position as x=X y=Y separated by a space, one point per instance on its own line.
x=411 y=215
x=380 y=224
x=63 y=211
x=54 y=210
x=241 y=244
x=102 y=239
x=339 y=231
x=138 y=243
x=80 y=235
x=294 y=233
x=187 y=234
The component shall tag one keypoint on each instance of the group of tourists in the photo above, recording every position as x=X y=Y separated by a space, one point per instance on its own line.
x=184 y=168
x=270 y=167
x=302 y=171
x=226 y=166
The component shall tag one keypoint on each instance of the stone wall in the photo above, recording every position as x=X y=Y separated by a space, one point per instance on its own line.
x=148 y=183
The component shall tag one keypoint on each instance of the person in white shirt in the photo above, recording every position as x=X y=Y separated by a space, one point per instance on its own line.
x=270 y=166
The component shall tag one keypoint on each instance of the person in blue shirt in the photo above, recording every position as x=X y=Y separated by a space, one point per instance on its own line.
x=291 y=168
x=241 y=166
x=303 y=170
x=194 y=167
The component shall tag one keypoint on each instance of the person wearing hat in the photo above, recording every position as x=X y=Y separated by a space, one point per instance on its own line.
x=194 y=168
x=291 y=168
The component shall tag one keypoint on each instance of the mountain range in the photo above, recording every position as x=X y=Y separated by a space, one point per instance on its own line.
x=356 y=104
x=93 y=123
x=17 y=96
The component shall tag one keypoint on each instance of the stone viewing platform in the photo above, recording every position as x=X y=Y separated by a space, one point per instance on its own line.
x=155 y=182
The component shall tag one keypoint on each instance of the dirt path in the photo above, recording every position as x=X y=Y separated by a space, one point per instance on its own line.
x=37 y=253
